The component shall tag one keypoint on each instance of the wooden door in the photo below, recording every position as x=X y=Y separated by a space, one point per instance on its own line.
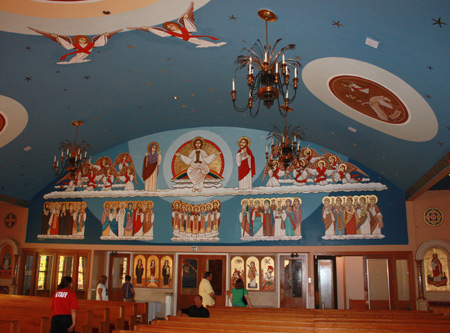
x=293 y=284
x=119 y=267
x=191 y=269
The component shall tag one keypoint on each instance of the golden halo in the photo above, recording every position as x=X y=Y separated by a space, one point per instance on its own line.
x=150 y=204
x=300 y=200
x=374 y=196
x=244 y=200
x=46 y=203
x=169 y=25
x=343 y=164
x=153 y=143
x=197 y=139
x=106 y=202
x=75 y=40
x=244 y=138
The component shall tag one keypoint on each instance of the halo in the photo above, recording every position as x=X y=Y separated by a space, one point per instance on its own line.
x=106 y=202
x=244 y=138
x=169 y=24
x=153 y=143
x=150 y=204
x=343 y=164
x=242 y=201
x=196 y=139
x=373 y=196
x=77 y=37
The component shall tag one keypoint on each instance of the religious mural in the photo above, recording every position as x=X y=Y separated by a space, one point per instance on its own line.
x=81 y=44
x=196 y=222
x=152 y=271
x=184 y=30
x=6 y=262
x=63 y=220
x=352 y=217
x=252 y=281
x=267 y=274
x=435 y=263
x=200 y=180
x=271 y=219
x=198 y=163
x=253 y=270
x=127 y=220
x=103 y=175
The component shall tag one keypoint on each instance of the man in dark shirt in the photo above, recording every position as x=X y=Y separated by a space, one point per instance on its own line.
x=197 y=310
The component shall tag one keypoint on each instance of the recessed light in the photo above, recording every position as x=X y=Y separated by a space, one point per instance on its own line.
x=351 y=129
x=175 y=97
x=27 y=148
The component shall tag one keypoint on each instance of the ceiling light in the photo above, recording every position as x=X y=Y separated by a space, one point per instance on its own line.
x=75 y=154
x=271 y=82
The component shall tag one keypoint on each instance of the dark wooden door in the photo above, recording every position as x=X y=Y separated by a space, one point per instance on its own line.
x=119 y=267
x=190 y=272
x=293 y=284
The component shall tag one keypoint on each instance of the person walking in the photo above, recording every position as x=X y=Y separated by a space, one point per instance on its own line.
x=102 y=291
x=239 y=294
x=64 y=307
x=128 y=290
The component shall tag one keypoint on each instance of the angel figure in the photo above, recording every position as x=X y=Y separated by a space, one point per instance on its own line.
x=344 y=174
x=183 y=29
x=109 y=174
x=82 y=44
x=102 y=163
x=275 y=171
x=71 y=181
x=319 y=169
x=126 y=176
x=123 y=160
x=92 y=177
x=310 y=155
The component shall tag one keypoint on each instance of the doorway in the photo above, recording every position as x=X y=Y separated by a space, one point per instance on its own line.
x=325 y=284
x=191 y=269
x=293 y=281
x=119 y=267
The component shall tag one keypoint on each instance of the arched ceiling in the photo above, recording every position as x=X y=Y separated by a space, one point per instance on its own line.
x=140 y=83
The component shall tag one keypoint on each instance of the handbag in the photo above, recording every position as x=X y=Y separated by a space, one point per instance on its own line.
x=244 y=300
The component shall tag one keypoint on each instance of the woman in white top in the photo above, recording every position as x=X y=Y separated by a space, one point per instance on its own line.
x=102 y=290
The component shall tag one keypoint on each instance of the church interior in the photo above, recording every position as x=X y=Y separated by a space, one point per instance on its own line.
x=301 y=146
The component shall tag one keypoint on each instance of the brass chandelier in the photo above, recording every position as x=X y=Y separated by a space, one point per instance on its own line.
x=272 y=81
x=73 y=155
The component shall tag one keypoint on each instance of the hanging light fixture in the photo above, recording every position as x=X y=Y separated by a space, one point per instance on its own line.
x=285 y=146
x=73 y=155
x=272 y=81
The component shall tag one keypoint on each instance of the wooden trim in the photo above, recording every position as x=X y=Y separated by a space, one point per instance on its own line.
x=440 y=170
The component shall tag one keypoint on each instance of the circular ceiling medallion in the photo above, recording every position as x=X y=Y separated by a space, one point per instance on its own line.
x=372 y=96
x=433 y=217
x=369 y=98
x=2 y=122
x=13 y=119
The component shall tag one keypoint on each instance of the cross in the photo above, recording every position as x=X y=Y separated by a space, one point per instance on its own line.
x=10 y=220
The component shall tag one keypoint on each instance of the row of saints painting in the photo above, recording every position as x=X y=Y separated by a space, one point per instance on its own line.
x=193 y=188
x=153 y=271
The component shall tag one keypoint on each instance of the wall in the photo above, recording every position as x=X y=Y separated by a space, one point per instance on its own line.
x=423 y=232
x=14 y=235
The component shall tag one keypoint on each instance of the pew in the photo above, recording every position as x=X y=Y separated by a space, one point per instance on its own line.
x=9 y=326
x=118 y=315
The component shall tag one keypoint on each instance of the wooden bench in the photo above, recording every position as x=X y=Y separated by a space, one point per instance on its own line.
x=9 y=326
x=119 y=315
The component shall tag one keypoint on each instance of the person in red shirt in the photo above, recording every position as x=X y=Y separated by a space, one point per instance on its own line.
x=64 y=307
